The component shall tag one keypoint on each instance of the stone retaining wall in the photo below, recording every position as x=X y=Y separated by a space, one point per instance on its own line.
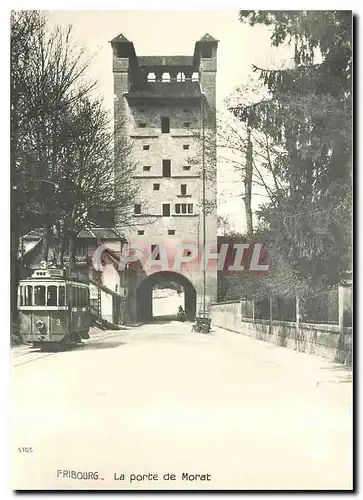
x=321 y=340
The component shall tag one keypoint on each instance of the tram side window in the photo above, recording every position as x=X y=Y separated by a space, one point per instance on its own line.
x=51 y=295
x=21 y=296
x=73 y=296
x=62 y=296
x=39 y=295
x=28 y=295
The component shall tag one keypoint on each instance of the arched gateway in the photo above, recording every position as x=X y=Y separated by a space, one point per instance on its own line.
x=145 y=288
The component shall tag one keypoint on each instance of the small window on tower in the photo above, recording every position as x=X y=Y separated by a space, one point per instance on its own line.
x=146 y=168
x=141 y=232
x=171 y=232
x=137 y=209
x=146 y=147
x=156 y=187
x=165 y=125
x=187 y=124
x=183 y=189
x=185 y=146
x=142 y=125
x=186 y=167
x=166 y=168
x=166 y=209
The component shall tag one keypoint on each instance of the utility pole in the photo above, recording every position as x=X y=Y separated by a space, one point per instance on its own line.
x=203 y=183
x=248 y=185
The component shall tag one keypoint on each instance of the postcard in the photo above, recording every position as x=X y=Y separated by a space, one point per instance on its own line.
x=181 y=250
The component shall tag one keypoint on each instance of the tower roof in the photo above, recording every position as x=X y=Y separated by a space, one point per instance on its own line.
x=120 y=38
x=166 y=90
x=208 y=38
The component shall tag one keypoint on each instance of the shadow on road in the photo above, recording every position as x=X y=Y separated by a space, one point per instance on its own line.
x=163 y=319
x=342 y=373
x=98 y=345
x=338 y=367
x=166 y=319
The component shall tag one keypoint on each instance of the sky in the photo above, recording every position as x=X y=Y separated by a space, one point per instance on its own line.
x=174 y=32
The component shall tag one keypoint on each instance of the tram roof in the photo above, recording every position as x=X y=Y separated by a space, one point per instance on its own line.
x=57 y=275
x=55 y=279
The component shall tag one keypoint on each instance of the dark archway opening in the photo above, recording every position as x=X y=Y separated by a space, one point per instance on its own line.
x=144 y=295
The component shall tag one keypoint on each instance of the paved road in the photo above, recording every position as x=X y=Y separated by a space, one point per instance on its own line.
x=160 y=399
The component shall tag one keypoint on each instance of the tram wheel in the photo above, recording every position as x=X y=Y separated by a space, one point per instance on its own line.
x=51 y=347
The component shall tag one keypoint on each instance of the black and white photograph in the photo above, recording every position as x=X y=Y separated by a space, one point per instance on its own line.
x=181 y=256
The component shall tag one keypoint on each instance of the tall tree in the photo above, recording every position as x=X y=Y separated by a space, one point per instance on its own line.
x=47 y=75
x=25 y=27
x=308 y=115
x=91 y=165
x=249 y=152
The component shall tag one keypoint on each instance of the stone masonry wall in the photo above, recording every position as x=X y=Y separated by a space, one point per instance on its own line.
x=321 y=340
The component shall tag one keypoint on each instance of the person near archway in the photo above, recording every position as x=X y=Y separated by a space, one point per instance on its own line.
x=181 y=314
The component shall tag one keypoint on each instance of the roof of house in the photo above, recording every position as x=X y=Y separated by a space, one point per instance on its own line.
x=34 y=235
x=167 y=90
x=104 y=233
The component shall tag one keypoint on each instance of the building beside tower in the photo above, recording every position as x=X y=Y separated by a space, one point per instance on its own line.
x=166 y=106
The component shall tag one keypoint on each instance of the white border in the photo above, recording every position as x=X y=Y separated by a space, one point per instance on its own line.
x=4 y=197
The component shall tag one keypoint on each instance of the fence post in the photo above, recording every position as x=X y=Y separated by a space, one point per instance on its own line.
x=253 y=311
x=270 y=314
x=341 y=351
x=297 y=332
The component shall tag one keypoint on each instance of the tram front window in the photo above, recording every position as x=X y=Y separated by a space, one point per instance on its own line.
x=39 y=295
x=28 y=296
x=51 y=295
x=62 y=296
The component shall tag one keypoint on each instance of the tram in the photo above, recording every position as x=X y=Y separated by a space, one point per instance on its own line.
x=53 y=309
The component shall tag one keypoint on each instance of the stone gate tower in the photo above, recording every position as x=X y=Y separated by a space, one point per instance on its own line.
x=166 y=105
